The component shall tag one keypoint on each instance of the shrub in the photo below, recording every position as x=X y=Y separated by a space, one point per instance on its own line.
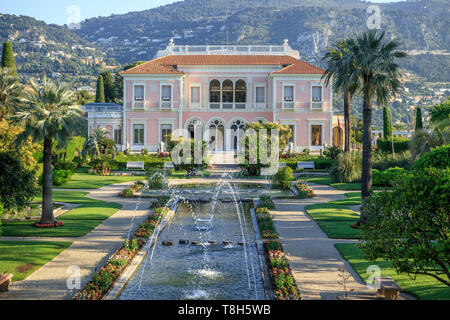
x=60 y=177
x=332 y=152
x=150 y=161
x=382 y=161
x=400 y=145
x=386 y=177
x=347 y=168
x=283 y=178
x=127 y=193
x=65 y=165
x=437 y=158
x=409 y=225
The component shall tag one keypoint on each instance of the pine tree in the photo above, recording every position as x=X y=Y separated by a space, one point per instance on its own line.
x=100 y=93
x=419 y=124
x=386 y=124
x=8 y=57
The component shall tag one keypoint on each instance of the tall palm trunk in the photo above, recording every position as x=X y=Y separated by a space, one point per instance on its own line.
x=366 y=177
x=47 y=183
x=347 y=124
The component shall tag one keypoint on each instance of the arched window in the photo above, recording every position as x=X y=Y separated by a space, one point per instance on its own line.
x=237 y=132
x=195 y=129
x=214 y=94
x=240 y=94
x=227 y=94
x=216 y=134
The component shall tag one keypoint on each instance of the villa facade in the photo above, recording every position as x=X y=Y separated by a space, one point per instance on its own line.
x=217 y=90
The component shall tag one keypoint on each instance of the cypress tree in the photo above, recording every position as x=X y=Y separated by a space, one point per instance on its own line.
x=419 y=124
x=100 y=93
x=108 y=84
x=386 y=124
x=8 y=57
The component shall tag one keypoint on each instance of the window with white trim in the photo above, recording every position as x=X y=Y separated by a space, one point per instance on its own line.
x=138 y=101
x=288 y=97
x=166 y=130
x=118 y=135
x=195 y=96
x=260 y=95
x=166 y=96
x=316 y=97
x=316 y=135
x=138 y=134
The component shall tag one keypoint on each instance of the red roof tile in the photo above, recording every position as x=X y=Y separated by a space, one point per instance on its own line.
x=168 y=64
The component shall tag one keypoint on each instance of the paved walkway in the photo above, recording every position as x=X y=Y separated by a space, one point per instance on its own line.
x=87 y=252
x=314 y=259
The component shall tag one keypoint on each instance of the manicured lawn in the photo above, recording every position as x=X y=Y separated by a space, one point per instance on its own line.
x=353 y=199
x=335 y=218
x=331 y=212
x=339 y=229
x=77 y=222
x=83 y=180
x=23 y=258
x=327 y=180
x=70 y=197
x=424 y=287
x=182 y=174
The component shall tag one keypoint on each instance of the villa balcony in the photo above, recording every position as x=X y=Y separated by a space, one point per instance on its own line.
x=227 y=105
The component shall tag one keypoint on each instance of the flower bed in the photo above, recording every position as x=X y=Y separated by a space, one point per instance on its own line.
x=303 y=190
x=280 y=274
x=55 y=224
x=127 y=193
x=104 y=279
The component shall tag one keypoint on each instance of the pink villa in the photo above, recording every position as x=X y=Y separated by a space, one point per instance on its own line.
x=218 y=89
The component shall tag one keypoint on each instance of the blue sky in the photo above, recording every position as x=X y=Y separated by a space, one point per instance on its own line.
x=56 y=11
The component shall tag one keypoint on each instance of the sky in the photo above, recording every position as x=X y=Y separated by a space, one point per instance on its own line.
x=72 y=11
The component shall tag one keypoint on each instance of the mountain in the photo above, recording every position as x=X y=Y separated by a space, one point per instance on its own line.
x=51 y=49
x=422 y=26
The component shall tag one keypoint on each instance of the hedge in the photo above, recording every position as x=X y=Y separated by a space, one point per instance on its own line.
x=400 y=144
x=319 y=163
x=150 y=161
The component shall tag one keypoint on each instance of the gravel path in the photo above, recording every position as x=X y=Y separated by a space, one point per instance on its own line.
x=86 y=253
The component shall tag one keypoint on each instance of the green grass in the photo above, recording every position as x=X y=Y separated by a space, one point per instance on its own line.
x=77 y=222
x=353 y=199
x=339 y=229
x=82 y=180
x=327 y=180
x=69 y=197
x=331 y=212
x=182 y=174
x=424 y=287
x=335 y=218
x=23 y=258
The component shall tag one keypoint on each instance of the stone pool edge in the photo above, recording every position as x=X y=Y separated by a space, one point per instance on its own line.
x=120 y=284
x=267 y=284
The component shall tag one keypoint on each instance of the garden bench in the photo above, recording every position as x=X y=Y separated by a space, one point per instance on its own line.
x=387 y=287
x=305 y=164
x=5 y=280
x=135 y=165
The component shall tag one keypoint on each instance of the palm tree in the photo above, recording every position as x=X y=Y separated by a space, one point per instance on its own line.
x=98 y=144
x=10 y=92
x=339 y=72
x=379 y=76
x=48 y=114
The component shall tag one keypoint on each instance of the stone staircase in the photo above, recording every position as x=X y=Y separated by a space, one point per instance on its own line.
x=223 y=161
